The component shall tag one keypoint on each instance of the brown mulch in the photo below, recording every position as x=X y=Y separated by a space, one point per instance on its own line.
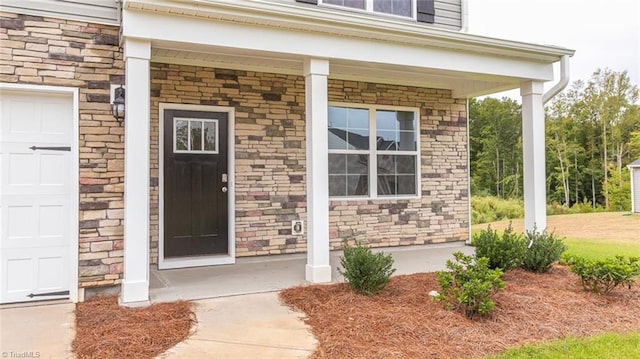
x=403 y=321
x=106 y=330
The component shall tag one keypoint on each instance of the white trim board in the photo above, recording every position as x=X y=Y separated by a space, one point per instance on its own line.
x=198 y=261
x=75 y=175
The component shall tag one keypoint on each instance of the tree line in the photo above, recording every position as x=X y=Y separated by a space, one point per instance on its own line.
x=592 y=133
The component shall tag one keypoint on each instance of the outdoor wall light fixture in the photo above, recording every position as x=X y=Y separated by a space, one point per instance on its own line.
x=117 y=106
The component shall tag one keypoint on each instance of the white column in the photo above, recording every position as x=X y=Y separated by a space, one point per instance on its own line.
x=135 y=284
x=318 y=269
x=533 y=143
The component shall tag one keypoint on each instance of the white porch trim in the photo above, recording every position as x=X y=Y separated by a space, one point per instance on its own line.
x=135 y=283
x=533 y=145
x=318 y=269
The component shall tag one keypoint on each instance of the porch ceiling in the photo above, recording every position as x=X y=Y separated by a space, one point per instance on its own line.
x=278 y=36
x=460 y=83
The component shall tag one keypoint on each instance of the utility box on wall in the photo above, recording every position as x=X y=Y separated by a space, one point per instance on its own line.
x=297 y=227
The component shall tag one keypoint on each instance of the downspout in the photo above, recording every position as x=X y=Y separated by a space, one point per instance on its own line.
x=564 y=80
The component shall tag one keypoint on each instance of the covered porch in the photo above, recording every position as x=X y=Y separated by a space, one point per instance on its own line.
x=316 y=46
x=267 y=274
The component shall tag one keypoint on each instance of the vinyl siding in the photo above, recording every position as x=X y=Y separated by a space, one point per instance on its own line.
x=448 y=14
x=92 y=11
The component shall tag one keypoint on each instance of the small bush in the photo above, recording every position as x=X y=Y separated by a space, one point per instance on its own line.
x=543 y=250
x=504 y=251
x=469 y=285
x=489 y=209
x=602 y=276
x=366 y=273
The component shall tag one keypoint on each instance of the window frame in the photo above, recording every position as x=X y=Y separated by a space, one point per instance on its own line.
x=202 y=151
x=373 y=152
x=368 y=9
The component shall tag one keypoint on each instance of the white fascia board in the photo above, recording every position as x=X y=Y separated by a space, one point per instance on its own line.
x=338 y=22
x=196 y=34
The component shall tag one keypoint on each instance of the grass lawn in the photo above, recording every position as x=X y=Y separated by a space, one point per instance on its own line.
x=596 y=347
x=592 y=235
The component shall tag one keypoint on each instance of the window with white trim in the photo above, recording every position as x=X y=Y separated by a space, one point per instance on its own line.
x=373 y=151
x=393 y=7
x=195 y=135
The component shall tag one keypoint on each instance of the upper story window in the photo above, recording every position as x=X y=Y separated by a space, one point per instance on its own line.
x=373 y=151
x=393 y=7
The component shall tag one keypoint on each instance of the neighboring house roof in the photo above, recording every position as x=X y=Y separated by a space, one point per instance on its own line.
x=635 y=163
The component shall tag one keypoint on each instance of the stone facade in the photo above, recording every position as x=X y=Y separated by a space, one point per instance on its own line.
x=441 y=213
x=46 y=51
x=270 y=159
x=269 y=149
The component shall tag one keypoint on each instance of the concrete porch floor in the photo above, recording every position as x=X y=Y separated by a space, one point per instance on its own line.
x=267 y=274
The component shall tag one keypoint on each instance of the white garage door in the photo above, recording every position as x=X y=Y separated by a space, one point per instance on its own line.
x=36 y=196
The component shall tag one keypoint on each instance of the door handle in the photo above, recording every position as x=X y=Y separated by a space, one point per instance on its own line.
x=224 y=189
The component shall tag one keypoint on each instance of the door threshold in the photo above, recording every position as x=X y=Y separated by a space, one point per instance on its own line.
x=196 y=261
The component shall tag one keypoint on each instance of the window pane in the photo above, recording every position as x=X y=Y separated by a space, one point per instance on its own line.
x=196 y=135
x=405 y=164
x=337 y=185
x=396 y=130
x=337 y=164
x=387 y=141
x=348 y=128
x=358 y=4
x=210 y=136
x=348 y=175
x=406 y=184
x=182 y=135
x=357 y=185
x=357 y=164
x=396 y=7
x=396 y=174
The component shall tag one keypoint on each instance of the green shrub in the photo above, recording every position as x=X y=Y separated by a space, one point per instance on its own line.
x=486 y=209
x=504 y=251
x=469 y=285
x=543 y=250
x=602 y=276
x=367 y=273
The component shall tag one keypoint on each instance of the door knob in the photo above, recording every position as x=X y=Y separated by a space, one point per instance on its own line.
x=224 y=189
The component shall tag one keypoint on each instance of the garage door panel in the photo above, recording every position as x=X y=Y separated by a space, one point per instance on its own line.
x=21 y=169
x=35 y=222
x=54 y=170
x=19 y=224
x=29 y=271
x=36 y=196
x=21 y=276
x=48 y=280
x=37 y=118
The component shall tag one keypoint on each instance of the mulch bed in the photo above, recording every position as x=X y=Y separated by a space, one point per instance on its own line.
x=403 y=321
x=106 y=330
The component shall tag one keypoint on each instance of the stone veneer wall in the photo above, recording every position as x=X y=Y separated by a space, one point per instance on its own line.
x=269 y=149
x=441 y=214
x=46 y=51
x=270 y=159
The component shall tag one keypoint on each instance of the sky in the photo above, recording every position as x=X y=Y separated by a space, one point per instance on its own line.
x=604 y=33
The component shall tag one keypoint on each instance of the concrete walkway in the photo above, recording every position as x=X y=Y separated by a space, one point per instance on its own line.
x=41 y=331
x=247 y=326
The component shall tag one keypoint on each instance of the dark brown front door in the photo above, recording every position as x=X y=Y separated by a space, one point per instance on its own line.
x=195 y=183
